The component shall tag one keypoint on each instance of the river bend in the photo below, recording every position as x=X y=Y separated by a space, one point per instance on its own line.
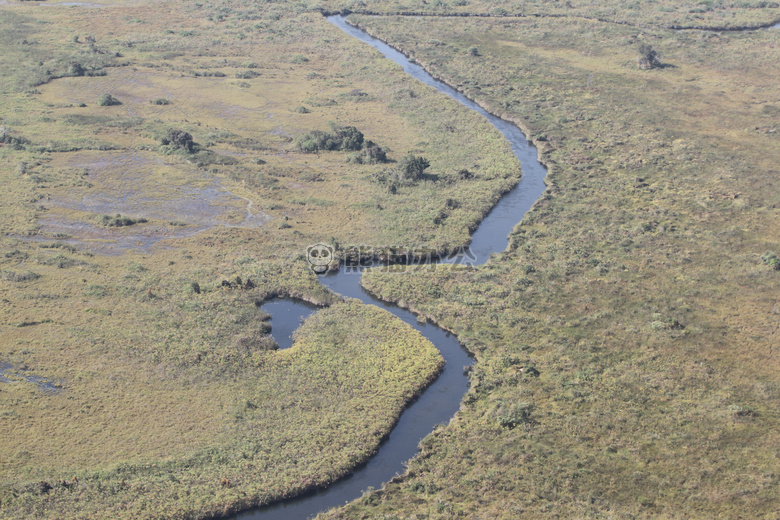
x=442 y=399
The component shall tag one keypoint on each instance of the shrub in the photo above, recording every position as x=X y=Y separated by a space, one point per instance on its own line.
x=314 y=141
x=118 y=220
x=412 y=167
x=179 y=140
x=107 y=100
x=515 y=415
x=247 y=74
x=369 y=155
x=95 y=291
x=12 y=276
x=473 y=51
x=350 y=138
x=7 y=138
x=648 y=58
x=161 y=101
x=771 y=259
x=339 y=138
x=302 y=110
x=76 y=69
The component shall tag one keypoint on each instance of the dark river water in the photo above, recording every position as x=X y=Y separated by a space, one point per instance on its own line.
x=442 y=399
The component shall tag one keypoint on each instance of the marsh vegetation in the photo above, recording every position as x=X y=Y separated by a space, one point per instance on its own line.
x=625 y=341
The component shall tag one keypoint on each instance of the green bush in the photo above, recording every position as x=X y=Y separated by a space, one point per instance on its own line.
x=247 y=74
x=61 y=261
x=339 y=138
x=76 y=69
x=161 y=101
x=119 y=221
x=412 y=167
x=7 y=138
x=369 y=155
x=179 y=140
x=771 y=259
x=12 y=276
x=515 y=415
x=107 y=100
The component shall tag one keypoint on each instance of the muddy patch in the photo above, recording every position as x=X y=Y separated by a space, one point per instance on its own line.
x=177 y=200
x=74 y=4
x=107 y=241
x=8 y=374
x=3 y=368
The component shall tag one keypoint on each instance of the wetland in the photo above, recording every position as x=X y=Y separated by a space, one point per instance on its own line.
x=609 y=348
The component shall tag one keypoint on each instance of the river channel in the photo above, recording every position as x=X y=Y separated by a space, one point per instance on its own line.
x=441 y=400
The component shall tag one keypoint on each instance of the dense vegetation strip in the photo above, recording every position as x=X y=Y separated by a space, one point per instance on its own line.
x=669 y=14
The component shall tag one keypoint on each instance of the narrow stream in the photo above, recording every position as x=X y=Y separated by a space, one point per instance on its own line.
x=442 y=399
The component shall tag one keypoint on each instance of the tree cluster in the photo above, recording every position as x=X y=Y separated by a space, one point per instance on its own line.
x=409 y=170
x=347 y=138
x=179 y=140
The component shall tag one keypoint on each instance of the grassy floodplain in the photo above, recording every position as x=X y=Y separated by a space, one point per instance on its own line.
x=132 y=259
x=627 y=340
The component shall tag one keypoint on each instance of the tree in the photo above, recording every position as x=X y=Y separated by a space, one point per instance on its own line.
x=179 y=140
x=648 y=58
x=340 y=138
x=76 y=69
x=346 y=137
x=412 y=167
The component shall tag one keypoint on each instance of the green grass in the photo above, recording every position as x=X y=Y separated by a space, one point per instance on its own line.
x=292 y=430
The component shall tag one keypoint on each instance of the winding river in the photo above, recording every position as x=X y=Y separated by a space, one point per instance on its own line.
x=442 y=399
